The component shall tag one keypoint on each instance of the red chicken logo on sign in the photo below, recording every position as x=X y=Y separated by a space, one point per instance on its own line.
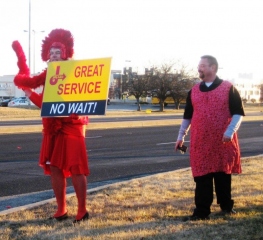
x=54 y=79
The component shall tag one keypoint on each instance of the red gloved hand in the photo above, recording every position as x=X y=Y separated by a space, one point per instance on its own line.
x=23 y=68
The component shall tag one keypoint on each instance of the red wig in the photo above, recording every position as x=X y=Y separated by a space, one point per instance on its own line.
x=58 y=38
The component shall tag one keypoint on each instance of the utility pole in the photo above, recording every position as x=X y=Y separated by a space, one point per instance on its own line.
x=29 y=36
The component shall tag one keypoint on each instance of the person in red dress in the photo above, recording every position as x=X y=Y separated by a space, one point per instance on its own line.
x=63 y=150
x=214 y=111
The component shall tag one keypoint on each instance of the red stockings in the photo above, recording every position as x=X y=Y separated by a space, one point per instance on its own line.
x=80 y=185
x=59 y=186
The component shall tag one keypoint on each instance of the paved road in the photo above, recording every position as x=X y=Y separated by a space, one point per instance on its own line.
x=113 y=153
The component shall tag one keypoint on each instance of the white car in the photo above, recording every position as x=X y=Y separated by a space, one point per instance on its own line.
x=18 y=102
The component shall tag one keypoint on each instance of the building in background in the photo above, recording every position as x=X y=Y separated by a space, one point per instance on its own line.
x=115 y=86
x=116 y=90
x=248 y=87
x=8 y=89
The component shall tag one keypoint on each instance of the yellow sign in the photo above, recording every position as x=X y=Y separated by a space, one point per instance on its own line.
x=77 y=86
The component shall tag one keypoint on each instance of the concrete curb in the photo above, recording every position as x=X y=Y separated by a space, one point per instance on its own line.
x=40 y=203
x=96 y=189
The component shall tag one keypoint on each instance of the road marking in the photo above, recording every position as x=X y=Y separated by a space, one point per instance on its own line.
x=99 y=149
x=168 y=143
x=94 y=137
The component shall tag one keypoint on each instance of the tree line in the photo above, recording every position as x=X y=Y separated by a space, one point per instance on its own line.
x=160 y=82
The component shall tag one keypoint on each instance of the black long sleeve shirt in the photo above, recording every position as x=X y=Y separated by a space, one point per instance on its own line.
x=235 y=101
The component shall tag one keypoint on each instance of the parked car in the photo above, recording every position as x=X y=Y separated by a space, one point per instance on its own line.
x=18 y=102
x=5 y=102
x=23 y=98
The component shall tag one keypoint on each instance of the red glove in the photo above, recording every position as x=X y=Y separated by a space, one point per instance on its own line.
x=25 y=81
x=23 y=68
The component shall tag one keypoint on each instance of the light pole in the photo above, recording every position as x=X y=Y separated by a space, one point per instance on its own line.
x=29 y=38
x=129 y=69
x=127 y=66
x=29 y=35
x=34 y=49
x=34 y=53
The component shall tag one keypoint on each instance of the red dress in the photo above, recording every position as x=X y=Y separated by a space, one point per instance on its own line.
x=211 y=117
x=63 y=143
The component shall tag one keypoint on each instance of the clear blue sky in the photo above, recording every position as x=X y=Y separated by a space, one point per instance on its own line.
x=144 y=32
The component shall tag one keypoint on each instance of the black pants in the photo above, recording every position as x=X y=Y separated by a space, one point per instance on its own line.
x=204 y=193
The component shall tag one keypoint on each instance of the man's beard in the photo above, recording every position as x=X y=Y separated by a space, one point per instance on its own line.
x=201 y=75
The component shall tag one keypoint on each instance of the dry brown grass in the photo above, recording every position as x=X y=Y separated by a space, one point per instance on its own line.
x=20 y=112
x=149 y=208
x=34 y=112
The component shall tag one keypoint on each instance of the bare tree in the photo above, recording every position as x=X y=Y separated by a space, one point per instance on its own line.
x=261 y=93
x=137 y=86
x=182 y=82
x=161 y=82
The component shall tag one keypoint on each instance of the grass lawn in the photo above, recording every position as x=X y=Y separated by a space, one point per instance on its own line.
x=149 y=208
x=34 y=112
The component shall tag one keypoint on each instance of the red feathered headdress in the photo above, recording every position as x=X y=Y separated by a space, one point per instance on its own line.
x=58 y=38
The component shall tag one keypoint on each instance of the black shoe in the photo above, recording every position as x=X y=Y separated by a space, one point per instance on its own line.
x=84 y=218
x=60 y=218
x=226 y=212
x=195 y=218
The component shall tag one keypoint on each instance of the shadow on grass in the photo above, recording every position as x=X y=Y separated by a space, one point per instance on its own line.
x=246 y=225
